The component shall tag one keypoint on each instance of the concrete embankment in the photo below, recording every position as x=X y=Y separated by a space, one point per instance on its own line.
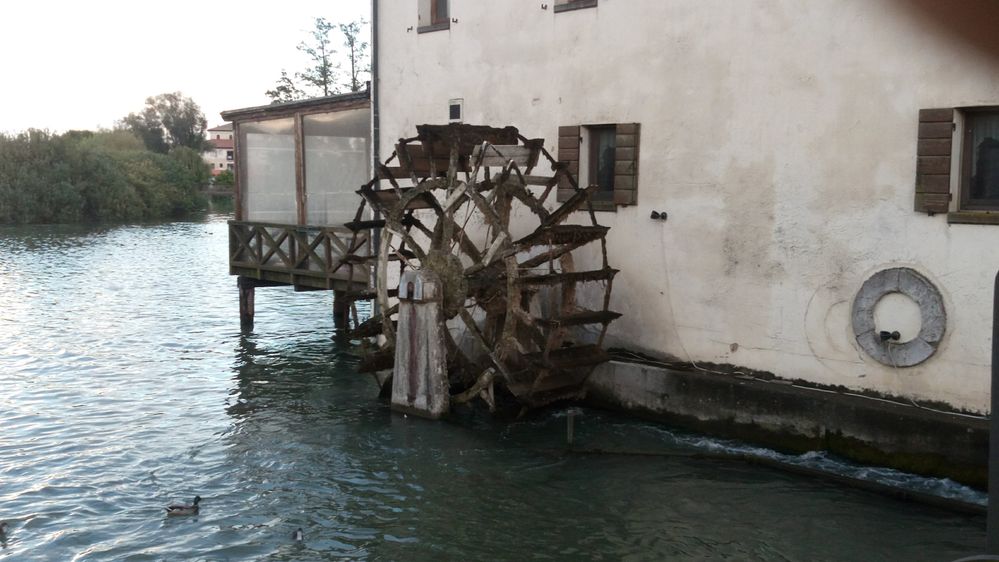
x=793 y=418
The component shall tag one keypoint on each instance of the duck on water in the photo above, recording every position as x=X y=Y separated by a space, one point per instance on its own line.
x=184 y=509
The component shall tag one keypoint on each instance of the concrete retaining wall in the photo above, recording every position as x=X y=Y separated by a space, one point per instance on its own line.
x=792 y=418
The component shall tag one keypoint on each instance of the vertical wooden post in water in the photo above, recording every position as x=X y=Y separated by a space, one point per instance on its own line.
x=246 y=289
x=992 y=520
x=419 y=380
x=341 y=309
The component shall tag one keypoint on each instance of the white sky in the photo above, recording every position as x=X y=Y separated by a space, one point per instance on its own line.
x=71 y=64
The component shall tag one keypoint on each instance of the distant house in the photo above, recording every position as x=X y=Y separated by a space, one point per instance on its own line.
x=223 y=155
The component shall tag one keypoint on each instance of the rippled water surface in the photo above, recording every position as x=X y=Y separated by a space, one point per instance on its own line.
x=125 y=385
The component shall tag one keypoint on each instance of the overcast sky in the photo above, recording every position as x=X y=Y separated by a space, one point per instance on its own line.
x=71 y=64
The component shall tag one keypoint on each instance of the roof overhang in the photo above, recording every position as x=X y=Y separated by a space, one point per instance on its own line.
x=339 y=102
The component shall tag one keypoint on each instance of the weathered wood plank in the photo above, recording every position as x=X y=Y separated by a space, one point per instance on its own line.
x=540 y=180
x=570 y=277
x=932 y=202
x=945 y=114
x=498 y=155
x=933 y=165
x=934 y=147
x=933 y=183
x=935 y=130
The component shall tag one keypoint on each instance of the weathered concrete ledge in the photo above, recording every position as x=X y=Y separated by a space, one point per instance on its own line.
x=796 y=419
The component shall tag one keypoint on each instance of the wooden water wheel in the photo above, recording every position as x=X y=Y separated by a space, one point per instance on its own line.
x=464 y=201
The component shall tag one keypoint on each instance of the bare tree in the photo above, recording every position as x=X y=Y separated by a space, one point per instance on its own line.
x=357 y=52
x=321 y=76
x=320 y=73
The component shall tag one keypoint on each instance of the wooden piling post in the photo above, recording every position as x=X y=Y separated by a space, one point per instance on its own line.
x=341 y=309
x=419 y=380
x=246 y=291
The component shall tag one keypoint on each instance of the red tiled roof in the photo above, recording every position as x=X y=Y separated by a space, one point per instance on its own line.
x=221 y=143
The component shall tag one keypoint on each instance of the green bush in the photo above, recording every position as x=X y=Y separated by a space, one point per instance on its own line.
x=95 y=176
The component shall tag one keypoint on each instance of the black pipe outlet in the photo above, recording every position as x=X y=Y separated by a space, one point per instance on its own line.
x=885 y=336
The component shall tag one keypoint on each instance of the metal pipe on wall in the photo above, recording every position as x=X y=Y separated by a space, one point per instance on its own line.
x=992 y=527
x=375 y=126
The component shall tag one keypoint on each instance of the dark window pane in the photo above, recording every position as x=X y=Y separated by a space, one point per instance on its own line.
x=455 y=112
x=438 y=11
x=602 y=160
x=984 y=139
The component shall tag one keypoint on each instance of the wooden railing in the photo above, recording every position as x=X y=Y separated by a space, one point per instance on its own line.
x=303 y=256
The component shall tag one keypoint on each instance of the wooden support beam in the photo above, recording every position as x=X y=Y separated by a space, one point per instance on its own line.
x=246 y=289
x=341 y=309
x=254 y=283
x=300 y=170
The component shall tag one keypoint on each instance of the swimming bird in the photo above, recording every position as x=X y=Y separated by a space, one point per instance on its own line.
x=297 y=535
x=183 y=509
x=3 y=529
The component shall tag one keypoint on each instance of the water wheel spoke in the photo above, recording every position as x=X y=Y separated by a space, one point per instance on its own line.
x=381 y=281
x=473 y=329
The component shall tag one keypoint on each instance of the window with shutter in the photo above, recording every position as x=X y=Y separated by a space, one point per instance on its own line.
x=975 y=164
x=603 y=155
x=433 y=15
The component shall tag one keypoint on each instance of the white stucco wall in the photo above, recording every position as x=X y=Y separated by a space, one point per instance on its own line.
x=779 y=135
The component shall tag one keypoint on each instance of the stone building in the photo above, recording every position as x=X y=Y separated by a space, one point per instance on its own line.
x=822 y=176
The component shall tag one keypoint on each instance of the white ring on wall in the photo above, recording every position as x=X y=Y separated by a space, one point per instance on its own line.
x=912 y=284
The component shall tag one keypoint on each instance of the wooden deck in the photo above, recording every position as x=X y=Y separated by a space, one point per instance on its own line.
x=306 y=257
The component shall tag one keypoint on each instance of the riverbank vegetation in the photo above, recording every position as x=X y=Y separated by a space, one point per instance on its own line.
x=84 y=176
x=147 y=168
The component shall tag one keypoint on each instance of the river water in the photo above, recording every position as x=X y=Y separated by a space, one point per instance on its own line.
x=126 y=385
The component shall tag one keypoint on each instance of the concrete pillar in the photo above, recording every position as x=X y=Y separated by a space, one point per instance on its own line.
x=246 y=290
x=419 y=382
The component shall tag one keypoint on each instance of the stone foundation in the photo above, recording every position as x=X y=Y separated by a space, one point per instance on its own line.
x=796 y=419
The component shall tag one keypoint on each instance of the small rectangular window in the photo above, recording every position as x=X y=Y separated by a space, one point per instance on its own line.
x=980 y=161
x=228 y=155
x=454 y=108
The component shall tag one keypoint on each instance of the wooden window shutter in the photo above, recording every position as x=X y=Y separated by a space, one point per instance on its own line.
x=568 y=152
x=933 y=160
x=626 y=164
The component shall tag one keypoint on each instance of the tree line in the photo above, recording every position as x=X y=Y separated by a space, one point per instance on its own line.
x=148 y=167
